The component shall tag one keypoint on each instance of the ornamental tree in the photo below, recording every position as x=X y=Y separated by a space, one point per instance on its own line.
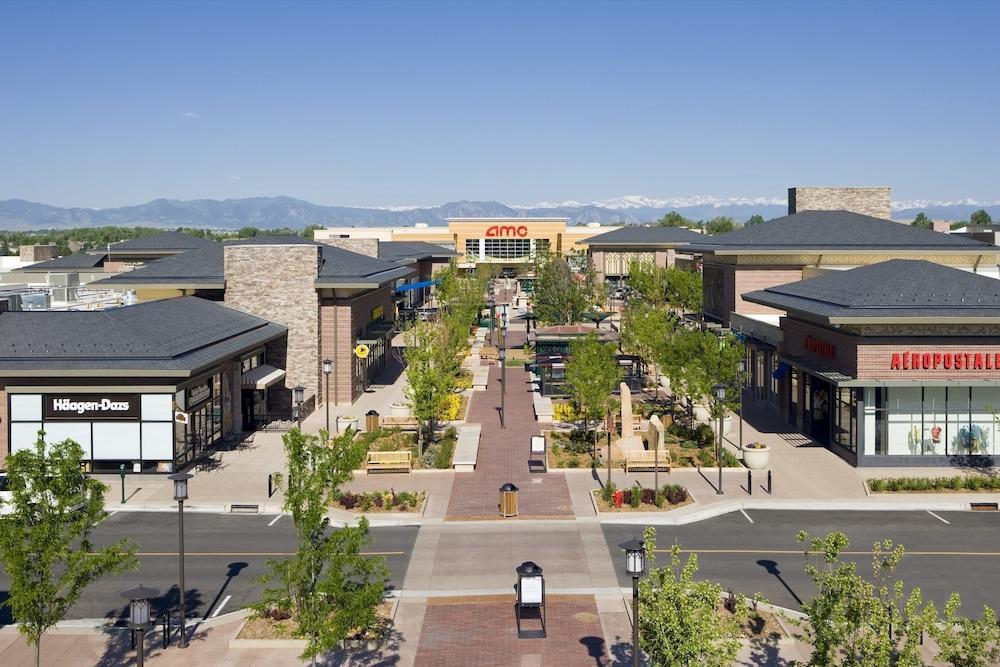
x=967 y=642
x=592 y=375
x=562 y=295
x=679 y=619
x=327 y=587
x=45 y=529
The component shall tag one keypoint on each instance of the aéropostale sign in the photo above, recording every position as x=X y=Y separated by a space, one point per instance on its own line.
x=90 y=406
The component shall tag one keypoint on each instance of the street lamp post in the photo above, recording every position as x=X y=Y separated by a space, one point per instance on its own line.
x=503 y=385
x=138 y=618
x=297 y=399
x=742 y=370
x=327 y=369
x=720 y=395
x=635 y=566
x=180 y=481
x=493 y=309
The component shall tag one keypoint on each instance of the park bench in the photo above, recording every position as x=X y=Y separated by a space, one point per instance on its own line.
x=402 y=423
x=467 y=448
x=480 y=378
x=386 y=461
x=542 y=406
x=647 y=460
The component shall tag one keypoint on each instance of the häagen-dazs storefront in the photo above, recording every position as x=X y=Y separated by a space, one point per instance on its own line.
x=892 y=364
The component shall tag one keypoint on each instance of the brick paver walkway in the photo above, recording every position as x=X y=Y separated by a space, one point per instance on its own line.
x=482 y=630
x=503 y=457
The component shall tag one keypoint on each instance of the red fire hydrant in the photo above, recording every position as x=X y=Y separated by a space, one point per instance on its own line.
x=618 y=497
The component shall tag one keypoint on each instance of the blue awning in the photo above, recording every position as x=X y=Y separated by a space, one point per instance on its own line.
x=781 y=371
x=408 y=287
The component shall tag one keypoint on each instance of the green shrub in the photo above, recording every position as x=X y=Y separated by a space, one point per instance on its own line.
x=445 y=450
x=729 y=460
x=635 y=499
x=660 y=499
x=675 y=493
x=689 y=444
x=705 y=458
x=564 y=412
x=606 y=492
x=573 y=461
x=876 y=485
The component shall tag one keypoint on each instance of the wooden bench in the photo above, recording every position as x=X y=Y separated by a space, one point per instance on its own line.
x=402 y=423
x=647 y=460
x=385 y=461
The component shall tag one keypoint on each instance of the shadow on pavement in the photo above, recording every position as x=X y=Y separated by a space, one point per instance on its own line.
x=595 y=649
x=118 y=649
x=621 y=653
x=385 y=654
x=772 y=568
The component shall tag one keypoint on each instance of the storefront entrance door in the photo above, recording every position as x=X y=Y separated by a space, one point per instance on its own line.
x=246 y=403
x=820 y=396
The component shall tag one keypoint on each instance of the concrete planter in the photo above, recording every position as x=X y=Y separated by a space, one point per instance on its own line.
x=756 y=458
x=346 y=422
x=702 y=413
x=665 y=382
x=399 y=410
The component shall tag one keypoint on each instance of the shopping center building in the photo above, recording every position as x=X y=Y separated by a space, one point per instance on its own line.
x=889 y=364
x=504 y=242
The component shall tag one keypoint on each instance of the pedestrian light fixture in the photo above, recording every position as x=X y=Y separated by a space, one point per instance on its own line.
x=635 y=567
x=180 y=481
x=138 y=619
x=298 y=394
x=530 y=590
x=327 y=366
x=327 y=369
x=720 y=393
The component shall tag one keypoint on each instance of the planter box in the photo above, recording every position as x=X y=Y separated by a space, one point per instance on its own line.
x=300 y=644
x=344 y=423
x=756 y=459
x=399 y=410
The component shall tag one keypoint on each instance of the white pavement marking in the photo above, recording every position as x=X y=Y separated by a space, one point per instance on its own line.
x=744 y=513
x=221 y=605
x=274 y=521
x=938 y=517
x=112 y=514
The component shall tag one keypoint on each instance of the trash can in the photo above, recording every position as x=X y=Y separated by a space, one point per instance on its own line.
x=508 y=500
x=371 y=420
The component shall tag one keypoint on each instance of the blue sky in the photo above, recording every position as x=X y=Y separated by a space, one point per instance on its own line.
x=396 y=103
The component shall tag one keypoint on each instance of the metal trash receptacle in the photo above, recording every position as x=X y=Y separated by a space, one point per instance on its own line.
x=372 y=420
x=508 y=500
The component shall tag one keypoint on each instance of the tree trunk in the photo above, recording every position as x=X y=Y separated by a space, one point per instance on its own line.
x=38 y=652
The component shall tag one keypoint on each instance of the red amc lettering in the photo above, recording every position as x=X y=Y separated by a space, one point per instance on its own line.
x=506 y=231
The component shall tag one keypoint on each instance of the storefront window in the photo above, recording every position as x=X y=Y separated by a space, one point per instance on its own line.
x=845 y=425
x=983 y=428
x=904 y=420
x=954 y=421
x=959 y=436
x=772 y=394
x=935 y=420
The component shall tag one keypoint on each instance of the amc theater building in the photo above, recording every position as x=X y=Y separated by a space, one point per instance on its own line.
x=890 y=364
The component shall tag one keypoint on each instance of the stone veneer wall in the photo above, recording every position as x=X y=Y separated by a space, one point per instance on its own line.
x=38 y=253
x=277 y=283
x=361 y=246
x=867 y=201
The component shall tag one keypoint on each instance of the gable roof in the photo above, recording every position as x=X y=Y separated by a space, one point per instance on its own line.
x=66 y=263
x=205 y=267
x=906 y=289
x=638 y=235
x=167 y=337
x=159 y=243
x=833 y=231
x=404 y=252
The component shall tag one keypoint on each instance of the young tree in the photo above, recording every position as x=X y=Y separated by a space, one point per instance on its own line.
x=674 y=219
x=966 y=642
x=754 y=219
x=645 y=332
x=45 y=533
x=922 y=221
x=592 y=375
x=980 y=217
x=430 y=374
x=683 y=290
x=679 y=623
x=327 y=587
x=563 y=296
x=649 y=281
x=720 y=225
x=707 y=360
x=850 y=617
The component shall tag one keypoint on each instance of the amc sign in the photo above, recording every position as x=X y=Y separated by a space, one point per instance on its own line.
x=506 y=231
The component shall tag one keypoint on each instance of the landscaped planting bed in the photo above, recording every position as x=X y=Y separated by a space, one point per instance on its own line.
x=638 y=499
x=437 y=454
x=957 y=484
x=279 y=625
x=381 y=501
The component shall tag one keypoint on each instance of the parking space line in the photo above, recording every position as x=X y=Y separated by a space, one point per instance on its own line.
x=743 y=512
x=942 y=519
x=221 y=605
x=274 y=521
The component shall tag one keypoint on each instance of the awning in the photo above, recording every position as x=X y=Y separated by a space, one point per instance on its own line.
x=781 y=371
x=262 y=377
x=411 y=286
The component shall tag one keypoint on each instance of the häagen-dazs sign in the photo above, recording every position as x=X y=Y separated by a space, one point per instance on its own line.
x=90 y=406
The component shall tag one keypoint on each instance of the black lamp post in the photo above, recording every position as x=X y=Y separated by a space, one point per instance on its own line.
x=503 y=385
x=493 y=309
x=180 y=481
x=720 y=395
x=138 y=617
x=739 y=383
x=635 y=566
x=298 y=394
x=327 y=369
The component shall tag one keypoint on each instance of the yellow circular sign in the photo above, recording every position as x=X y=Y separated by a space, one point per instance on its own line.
x=361 y=351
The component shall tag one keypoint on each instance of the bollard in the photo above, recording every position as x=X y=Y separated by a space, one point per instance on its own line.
x=768 y=482
x=750 y=482
x=270 y=487
x=166 y=628
x=121 y=471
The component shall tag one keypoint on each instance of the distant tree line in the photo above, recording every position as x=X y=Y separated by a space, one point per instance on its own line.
x=88 y=239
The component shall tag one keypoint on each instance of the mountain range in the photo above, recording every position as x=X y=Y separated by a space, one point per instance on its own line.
x=277 y=212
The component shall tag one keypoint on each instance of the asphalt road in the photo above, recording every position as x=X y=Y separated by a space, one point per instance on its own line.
x=961 y=556
x=225 y=554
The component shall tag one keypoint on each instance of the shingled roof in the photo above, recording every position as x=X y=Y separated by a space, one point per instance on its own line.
x=66 y=263
x=899 y=288
x=205 y=268
x=637 y=235
x=167 y=337
x=404 y=252
x=832 y=231
x=164 y=242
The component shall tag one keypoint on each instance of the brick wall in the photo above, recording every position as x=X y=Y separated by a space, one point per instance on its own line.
x=980 y=359
x=827 y=347
x=867 y=201
x=342 y=320
x=276 y=282
x=361 y=246
x=749 y=279
x=4 y=428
